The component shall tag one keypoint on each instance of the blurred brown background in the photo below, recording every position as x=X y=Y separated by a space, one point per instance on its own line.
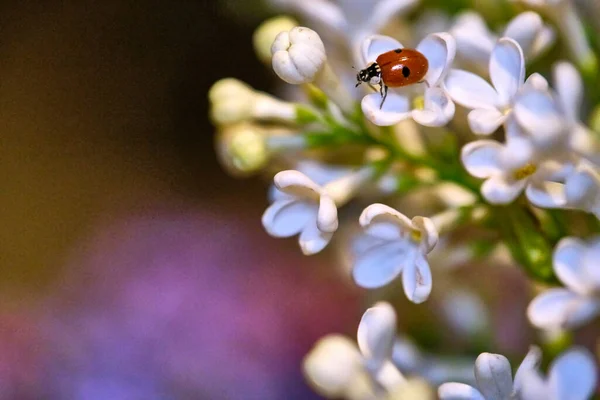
x=125 y=251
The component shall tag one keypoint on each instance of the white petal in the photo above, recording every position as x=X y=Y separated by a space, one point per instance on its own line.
x=531 y=362
x=545 y=38
x=439 y=49
x=572 y=376
x=296 y=183
x=327 y=220
x=312 y=240
x=560 y=309
x=332 y=364
x=481 y=158
x=377 y=332
x=524 y=29
x=474 y=42
x=389 y=376
x=458 y=391
x=539 y=115
x=438 y=111
x=516 y=153
x=494 y=376
x=416 y=279
x=375 y=45
x=484 y=121
x=380 y=212
x=287 y=217
x=385 y=230
x=568 y=265
x=470 y=90
x=536 y=81
x=533 y=386
x=583 y=187
x=395 y=108
x=546 y=194
x=383 y=11
x=507 y=69
x=379 y=265
x=569 y=87
x=429 y=233
x=499 y=190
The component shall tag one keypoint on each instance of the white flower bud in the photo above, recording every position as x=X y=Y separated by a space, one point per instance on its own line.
x=266 y=33
x=233 y=101
x=298 y=55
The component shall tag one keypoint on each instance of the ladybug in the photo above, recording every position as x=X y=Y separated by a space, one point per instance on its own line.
x=395 y=68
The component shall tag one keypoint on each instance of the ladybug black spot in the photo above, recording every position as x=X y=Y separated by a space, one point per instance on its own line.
x=406 y=72
x=398 y=51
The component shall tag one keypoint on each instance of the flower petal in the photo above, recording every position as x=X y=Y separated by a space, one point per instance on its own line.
x=474 y=41
x=287 y=217
x=458 y=391
x=484 y=121
x=583 y=187
x=429 y=233
x=439 y=49
x=531 y=362
x=470 y=90
x=546 y=194
x=572 y=375
x=327 y=219
x=416 y=279
x=295 y=183
x=561 y=309
x=481 y=158
x=312 y=240
x=536 y=81
x=379 y=265
x=524 y=29
x=568 y=265
x=383 y=11
x=380 y=213
x=539 y=114
x=499 y=190
x=438 y=111
x=395 y=108
x=494 y=376
x=376 y=333
x=570 y=89
x=507 y=69
x=332 y=365
x=375 y=45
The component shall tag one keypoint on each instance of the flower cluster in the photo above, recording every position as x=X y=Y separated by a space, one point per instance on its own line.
x=498 y=157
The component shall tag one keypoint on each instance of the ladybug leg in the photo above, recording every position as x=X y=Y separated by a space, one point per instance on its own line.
x=384 y=92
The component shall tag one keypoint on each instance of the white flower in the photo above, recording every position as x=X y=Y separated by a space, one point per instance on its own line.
x=350 y=20
x=571 y=376
x=392 y=244
x=475 y=43
x=577 y=266
x=336 y=368
x=508 y=168
x=552 y=118
x=233 y=101
x=577 y=188
x=494 y=379
x=309 y=209
x=246 y=148
x=491 y=106
x=435 y=108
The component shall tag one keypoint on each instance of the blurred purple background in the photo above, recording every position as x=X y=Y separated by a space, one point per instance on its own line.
x=132 y=267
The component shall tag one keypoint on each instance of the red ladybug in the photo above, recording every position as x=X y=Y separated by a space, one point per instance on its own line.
x=395 y=68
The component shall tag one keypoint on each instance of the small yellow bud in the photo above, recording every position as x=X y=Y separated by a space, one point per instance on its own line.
x=242 y=149
x=231 y=101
